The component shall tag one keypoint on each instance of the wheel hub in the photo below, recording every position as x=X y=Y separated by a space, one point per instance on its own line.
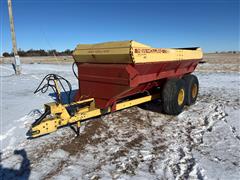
x=194 y=90
x=181 y=94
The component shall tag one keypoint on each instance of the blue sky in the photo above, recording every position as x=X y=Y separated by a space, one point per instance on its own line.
x=62 y=24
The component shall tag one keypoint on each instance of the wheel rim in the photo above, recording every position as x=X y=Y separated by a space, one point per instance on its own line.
x=180 y=97
x=194 y=90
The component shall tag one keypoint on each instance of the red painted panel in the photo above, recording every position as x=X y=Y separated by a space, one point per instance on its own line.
x=108 y=83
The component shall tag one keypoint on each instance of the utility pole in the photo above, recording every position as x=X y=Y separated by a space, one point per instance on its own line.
x=17 y=62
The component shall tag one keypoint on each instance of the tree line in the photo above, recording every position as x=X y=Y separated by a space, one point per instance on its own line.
x=40 y=52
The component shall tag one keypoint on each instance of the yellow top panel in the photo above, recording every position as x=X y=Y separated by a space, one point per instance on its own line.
x=131 y=52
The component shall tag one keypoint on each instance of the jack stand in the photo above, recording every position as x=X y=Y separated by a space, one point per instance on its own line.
x=76 y=128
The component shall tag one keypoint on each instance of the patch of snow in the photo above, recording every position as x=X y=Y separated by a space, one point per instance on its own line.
x=136 y=143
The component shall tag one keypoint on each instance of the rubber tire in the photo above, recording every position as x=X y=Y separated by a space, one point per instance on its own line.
x=190 y=80
x=169 y=96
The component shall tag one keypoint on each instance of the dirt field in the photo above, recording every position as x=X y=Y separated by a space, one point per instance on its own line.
x=214 y=62
x=41 y=60
x=136 y=143
x=211 y=58
x=224 y=62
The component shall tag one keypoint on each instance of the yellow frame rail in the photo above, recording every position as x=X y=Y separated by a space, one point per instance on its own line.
x=60 y=117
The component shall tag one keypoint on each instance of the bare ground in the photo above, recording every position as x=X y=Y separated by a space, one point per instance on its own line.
x=140 y=143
